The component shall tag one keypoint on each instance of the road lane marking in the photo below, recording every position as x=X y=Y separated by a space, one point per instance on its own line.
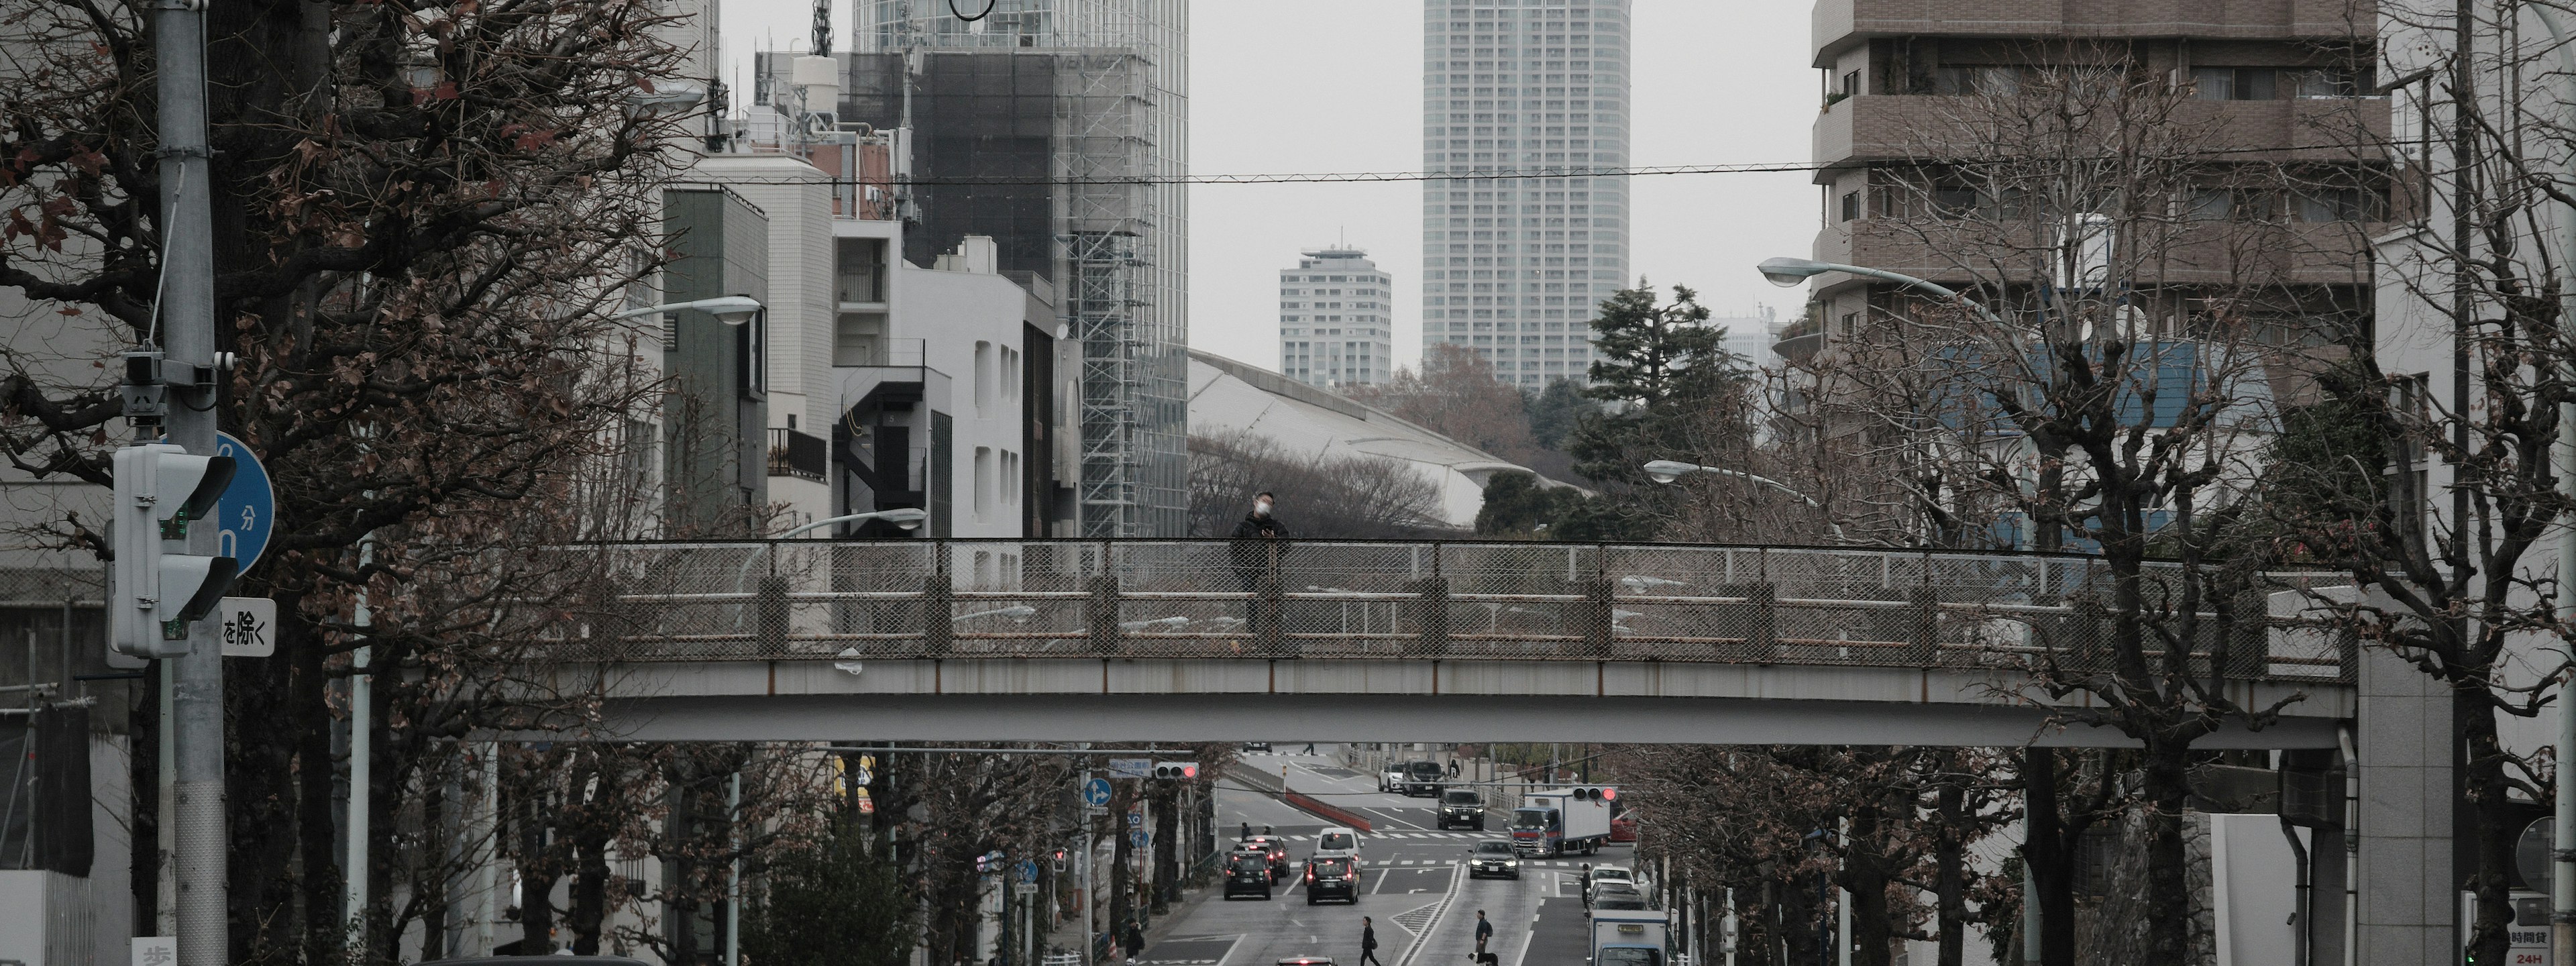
x=1440 y=911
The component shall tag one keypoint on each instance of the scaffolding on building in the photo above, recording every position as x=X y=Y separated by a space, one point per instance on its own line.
x=1120 y=122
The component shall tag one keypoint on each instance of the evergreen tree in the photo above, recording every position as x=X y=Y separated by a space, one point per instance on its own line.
x=1667 y=378
x=833 y=904
x=1553 y=411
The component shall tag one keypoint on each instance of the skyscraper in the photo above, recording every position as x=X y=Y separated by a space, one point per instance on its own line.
x=1333 y=324
x=1533 y=92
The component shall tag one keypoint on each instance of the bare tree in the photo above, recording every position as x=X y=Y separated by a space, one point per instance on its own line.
x=2108 y=384
x=1322 y=494
x=422 y=217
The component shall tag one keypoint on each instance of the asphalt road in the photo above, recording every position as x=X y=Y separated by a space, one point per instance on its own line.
x=1412 y=883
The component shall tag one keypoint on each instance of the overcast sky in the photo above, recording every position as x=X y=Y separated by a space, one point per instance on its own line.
x=1336 y=85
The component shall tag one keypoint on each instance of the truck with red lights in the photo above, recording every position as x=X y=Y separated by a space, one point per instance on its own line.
x=1563 y=820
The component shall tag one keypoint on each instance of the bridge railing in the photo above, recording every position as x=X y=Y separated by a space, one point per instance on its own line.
x=820 y=600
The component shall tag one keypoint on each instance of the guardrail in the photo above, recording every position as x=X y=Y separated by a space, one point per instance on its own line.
x=1389 y=600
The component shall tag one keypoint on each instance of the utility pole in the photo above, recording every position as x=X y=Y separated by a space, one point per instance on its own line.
x=187 y=321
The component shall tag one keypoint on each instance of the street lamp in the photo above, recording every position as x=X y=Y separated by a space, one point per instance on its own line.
x=1670 y=471
x=728 y=309
x=1786 y=272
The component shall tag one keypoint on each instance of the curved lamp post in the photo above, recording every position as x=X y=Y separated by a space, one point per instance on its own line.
x=728 y=309
x=1786 y=272
x=1671 y=471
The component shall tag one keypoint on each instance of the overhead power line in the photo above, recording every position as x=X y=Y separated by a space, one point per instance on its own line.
x=1521 y=173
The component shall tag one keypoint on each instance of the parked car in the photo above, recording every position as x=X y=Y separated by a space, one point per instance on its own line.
x=1260 y=746
x=1332 y=877
x=1277 y=849
x=1247 y=872
x=1623 y=822
x=1391 y=779
x=1493 y=857
x=1613 y=876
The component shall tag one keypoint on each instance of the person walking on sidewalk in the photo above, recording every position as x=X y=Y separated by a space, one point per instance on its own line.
x=1484 y=933
x=1135 y=942
x=1368 y=943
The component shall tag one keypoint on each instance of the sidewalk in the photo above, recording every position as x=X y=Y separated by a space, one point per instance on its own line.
x=1072 y=937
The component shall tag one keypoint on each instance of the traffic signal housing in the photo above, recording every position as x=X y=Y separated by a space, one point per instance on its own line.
x=1176 y=770
x=158 y=587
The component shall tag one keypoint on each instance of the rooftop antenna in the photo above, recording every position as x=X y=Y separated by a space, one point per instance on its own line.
x=822 y=28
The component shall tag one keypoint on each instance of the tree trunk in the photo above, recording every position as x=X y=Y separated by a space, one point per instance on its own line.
x=589 y=891
x=2483 y=782
x=1167 y=834
x=316 y=779
x=1947 y=873
x=2046 y=855
x=2168 y=898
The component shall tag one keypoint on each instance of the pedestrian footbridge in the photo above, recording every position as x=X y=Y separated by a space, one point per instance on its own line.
x=970 y=640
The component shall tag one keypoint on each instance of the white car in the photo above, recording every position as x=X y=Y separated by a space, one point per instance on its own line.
x=1338 y=842
x=1391 y=778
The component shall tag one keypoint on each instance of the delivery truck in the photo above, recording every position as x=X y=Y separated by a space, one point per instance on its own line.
x=1630 y=937
x=1561 y=821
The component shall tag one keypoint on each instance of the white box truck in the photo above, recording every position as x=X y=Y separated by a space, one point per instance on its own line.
x=1561 y=821
x=1630 y=937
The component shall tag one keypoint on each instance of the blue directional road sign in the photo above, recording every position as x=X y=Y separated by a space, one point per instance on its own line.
x=246 y=514
x=1028 y=871
x=1140 y=837
x=1095 y=792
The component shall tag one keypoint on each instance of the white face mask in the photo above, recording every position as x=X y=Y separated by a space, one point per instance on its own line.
x=1261 y=508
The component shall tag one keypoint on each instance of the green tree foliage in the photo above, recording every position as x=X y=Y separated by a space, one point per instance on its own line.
x=1553 y=412
x=1665 y=374
x=833 y=904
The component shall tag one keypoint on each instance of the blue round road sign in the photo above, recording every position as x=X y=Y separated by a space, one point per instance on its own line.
x=245 y=516
x=1095 y=792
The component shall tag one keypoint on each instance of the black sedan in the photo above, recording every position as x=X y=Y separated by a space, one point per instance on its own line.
x=1247 y=873
x=1332 y=878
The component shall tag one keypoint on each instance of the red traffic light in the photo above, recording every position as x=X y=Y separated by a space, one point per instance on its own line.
x=1609 y=794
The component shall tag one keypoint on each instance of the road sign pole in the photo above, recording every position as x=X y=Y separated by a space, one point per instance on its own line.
x=187 y=323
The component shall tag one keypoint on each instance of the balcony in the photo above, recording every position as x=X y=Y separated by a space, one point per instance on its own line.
x=1838 y=24
x=1874 y=127
x=2244 y=253
x=796 y=454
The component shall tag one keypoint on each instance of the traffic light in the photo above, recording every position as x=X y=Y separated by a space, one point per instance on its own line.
x=1176 y=770
x=158 y=585
x=1059 y=860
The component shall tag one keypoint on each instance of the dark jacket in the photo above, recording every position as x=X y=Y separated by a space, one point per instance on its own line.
x=1368 y=937
x=1253 y=540
x=1484 y=929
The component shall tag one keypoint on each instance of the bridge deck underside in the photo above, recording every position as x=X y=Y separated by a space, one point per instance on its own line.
x=1202 y=699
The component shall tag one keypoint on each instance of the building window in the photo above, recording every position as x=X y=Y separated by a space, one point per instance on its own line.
x=984 y=379
x=1851 y=206
x=2234 y=83
x=983 y=496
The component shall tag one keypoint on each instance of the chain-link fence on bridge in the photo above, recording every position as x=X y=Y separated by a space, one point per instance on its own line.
x=1413 y=600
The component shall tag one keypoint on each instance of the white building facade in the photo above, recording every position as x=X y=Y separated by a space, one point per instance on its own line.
x=1334 y=326
x=1513 y=266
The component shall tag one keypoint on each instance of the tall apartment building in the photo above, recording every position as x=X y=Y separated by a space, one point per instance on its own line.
x=2261 y=120
x=1334 y=329
x=1513 y=266
x=1043 y=126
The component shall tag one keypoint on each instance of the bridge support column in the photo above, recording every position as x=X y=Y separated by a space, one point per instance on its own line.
x=1267 y=635
x=938 y=615
x=1430 y=616
x=1100 y=613
x=769 y=615
x=1595 y=614
x=1926 y=649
